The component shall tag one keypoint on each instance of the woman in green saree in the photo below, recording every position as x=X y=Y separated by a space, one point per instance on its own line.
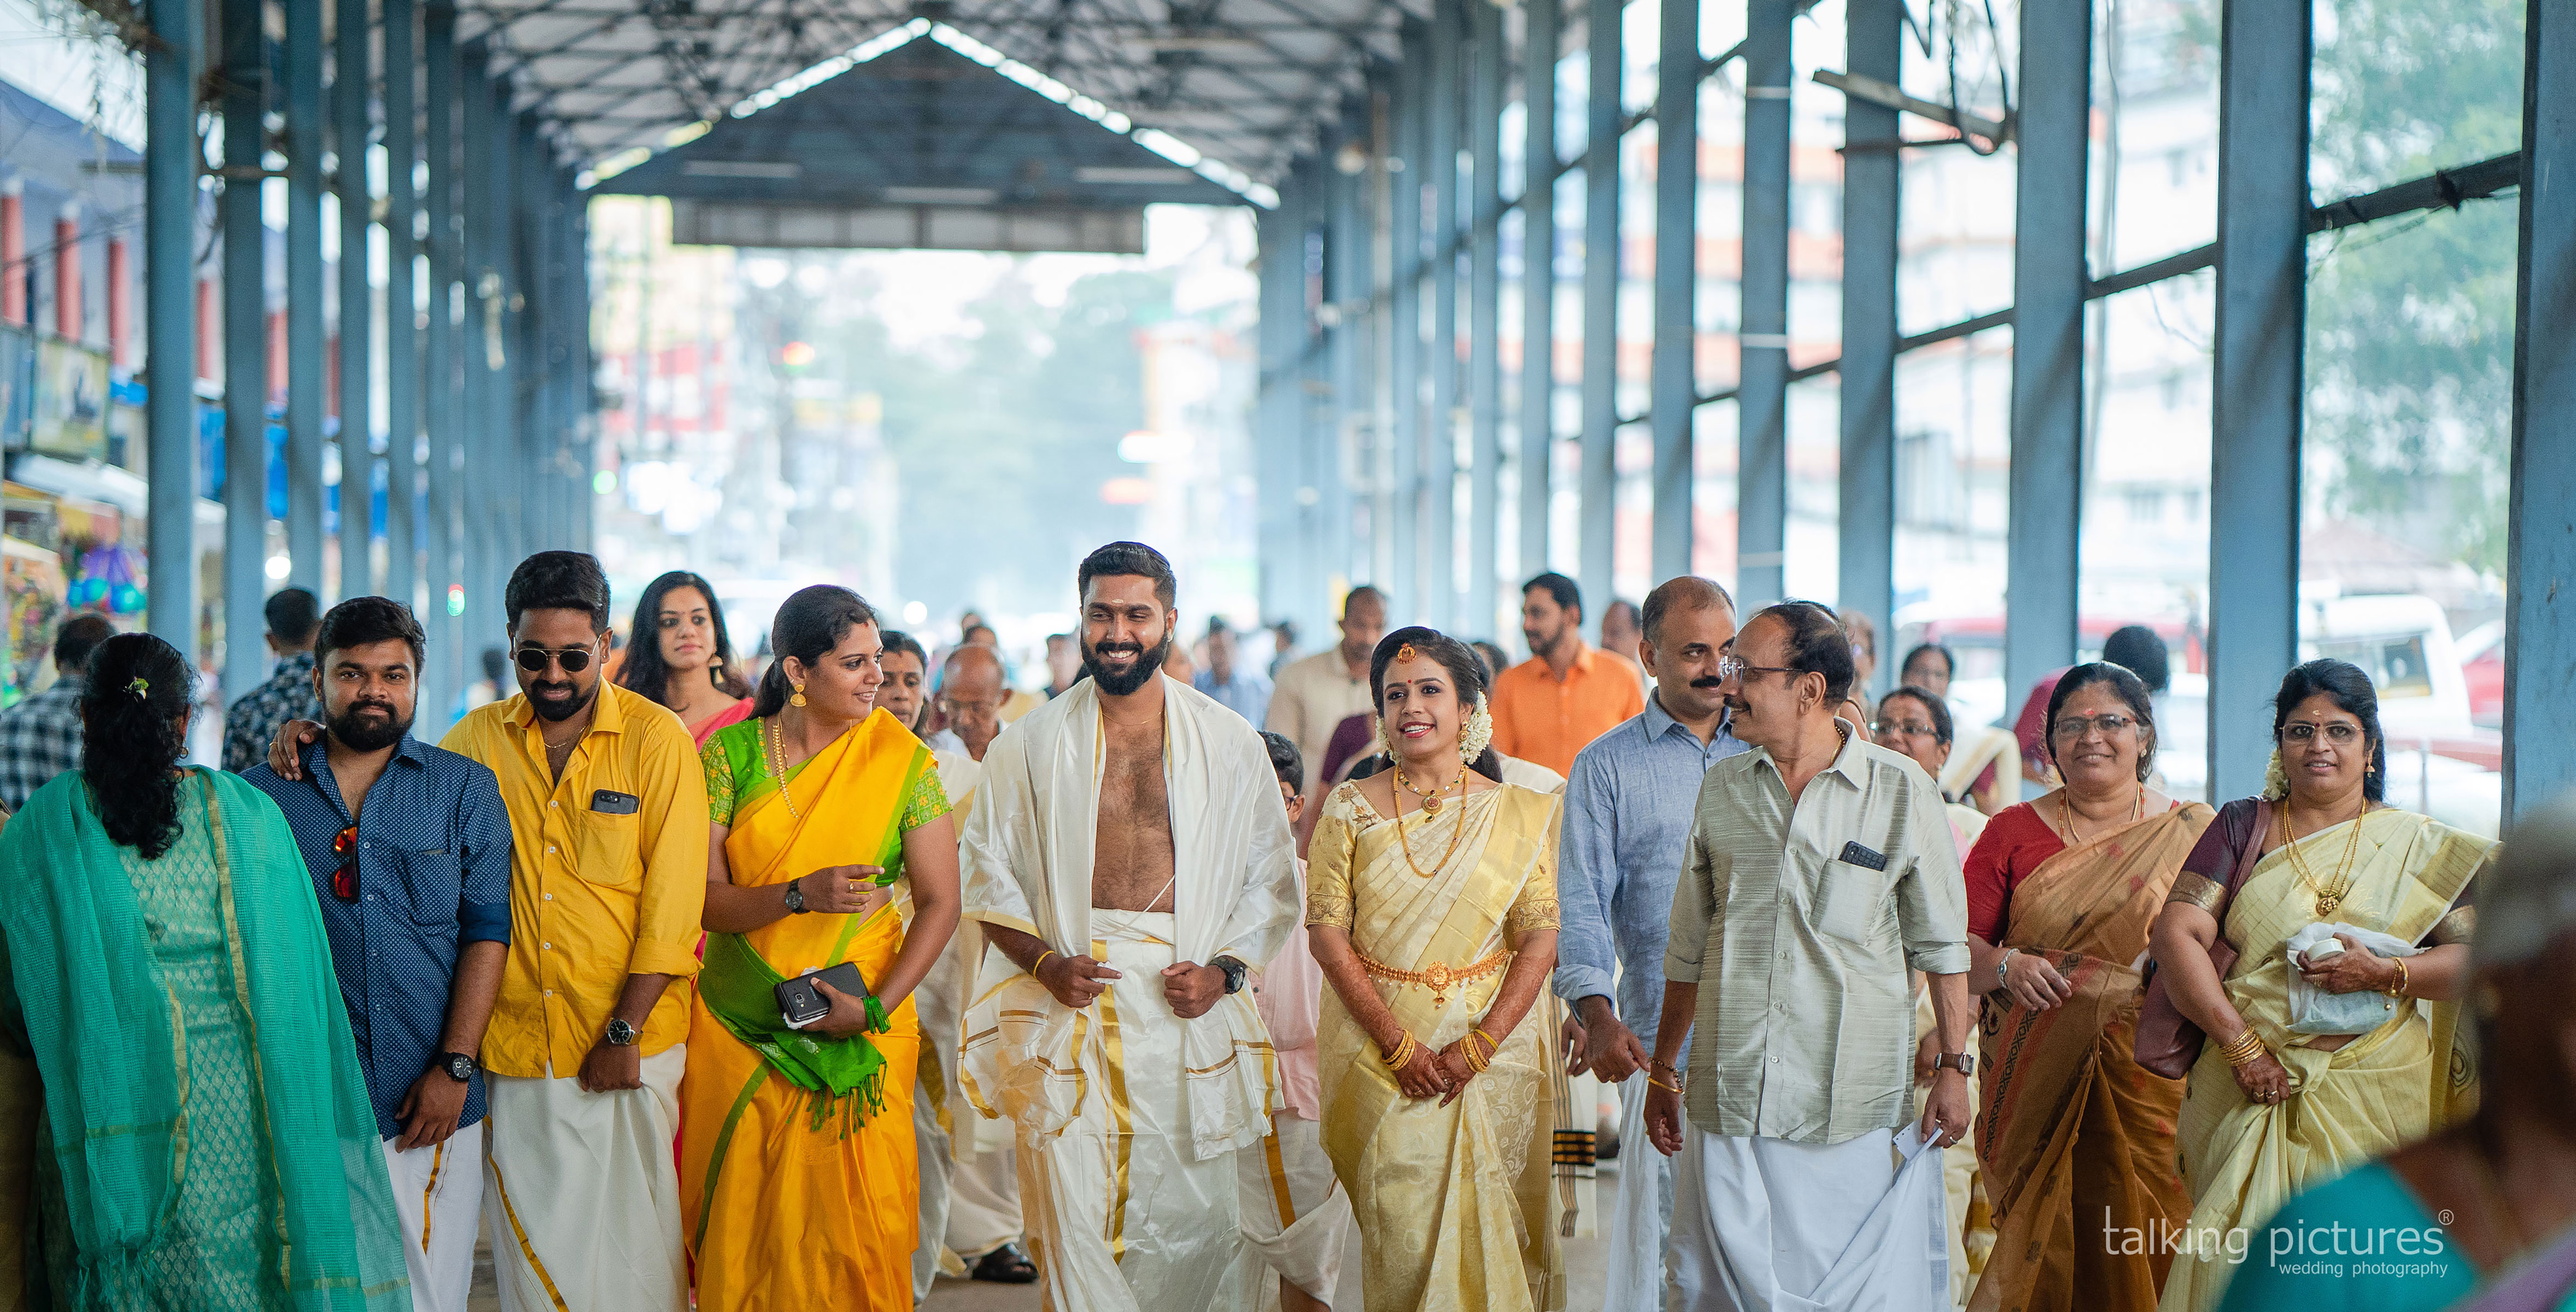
x=205 y=1135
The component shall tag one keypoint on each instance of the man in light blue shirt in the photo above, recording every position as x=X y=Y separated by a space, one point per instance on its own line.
x=1243 y=691
x=1628 y=810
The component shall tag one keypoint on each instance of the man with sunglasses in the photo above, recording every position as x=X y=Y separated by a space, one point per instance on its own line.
x=1818 y=870
x=409 y=847
x=608 y=879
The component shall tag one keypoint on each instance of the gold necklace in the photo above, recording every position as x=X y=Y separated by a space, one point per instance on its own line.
x=2066 y=818
x=2331 y=893
x=1430 y=800
x=1405 y=844
x=771 y=738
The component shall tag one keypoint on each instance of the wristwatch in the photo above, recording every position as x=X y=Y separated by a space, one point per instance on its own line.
x=459 y=1066
x=1234 y=971
x=620 y=1034
x=1964 y=1063
x=796 y=897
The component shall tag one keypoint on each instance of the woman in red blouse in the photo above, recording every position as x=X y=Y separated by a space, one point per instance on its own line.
x=2062 y=890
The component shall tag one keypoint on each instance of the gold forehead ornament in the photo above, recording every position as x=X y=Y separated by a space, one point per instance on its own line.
x=1405 y=652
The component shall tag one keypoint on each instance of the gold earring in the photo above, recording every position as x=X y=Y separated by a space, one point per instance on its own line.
x=798 y=699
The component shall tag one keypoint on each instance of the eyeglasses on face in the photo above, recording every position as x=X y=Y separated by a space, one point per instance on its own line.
x=1909 y=728
x=2342 y=733
x=1728 y=667
x=534 y=659
x=2070 y=728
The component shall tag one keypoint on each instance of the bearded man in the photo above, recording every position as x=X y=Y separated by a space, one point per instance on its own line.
x=409 y=849
x=1128 y=855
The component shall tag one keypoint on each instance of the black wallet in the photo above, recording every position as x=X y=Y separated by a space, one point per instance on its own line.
x=800 y=1004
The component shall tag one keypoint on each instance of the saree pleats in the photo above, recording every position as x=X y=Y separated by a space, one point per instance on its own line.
x=2075 y=1139
x=2412 y=1075
x=799 y=1185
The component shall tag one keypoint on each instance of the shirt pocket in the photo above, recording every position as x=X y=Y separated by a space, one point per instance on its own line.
x=605 y=850
x=1855 y=902
x=435 y=882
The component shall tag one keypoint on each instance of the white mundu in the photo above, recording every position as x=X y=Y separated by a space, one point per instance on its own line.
x=1127 y=1117
x=438 y=1197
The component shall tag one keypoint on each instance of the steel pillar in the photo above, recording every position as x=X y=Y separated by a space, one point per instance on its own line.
x=448 y=673
x=243 y=92
x=352 y=107
x=1346 y=552
x=1538 y=282
x=305 y=135
x=170 y=162
x=1484 y=314
x=1438 y=567
x=479 y=437
x=2049 y=275
x=1675 y=386
x=1762 y=435
x=1404 y=299
x=2540 y=555
x=1599 y=483
x=2258 y=385
x=1866 y=523
x=1275 y=440
x=1315 y=409
x=402 y=335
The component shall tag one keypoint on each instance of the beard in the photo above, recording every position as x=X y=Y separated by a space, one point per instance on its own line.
x=559 y=708
x=1149 y=663
x=360 y=731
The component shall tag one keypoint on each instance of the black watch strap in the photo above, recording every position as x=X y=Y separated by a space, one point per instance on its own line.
x=1234 y=973
x=457 y=1066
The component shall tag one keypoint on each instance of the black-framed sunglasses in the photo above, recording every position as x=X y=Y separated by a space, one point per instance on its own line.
x=534 y=659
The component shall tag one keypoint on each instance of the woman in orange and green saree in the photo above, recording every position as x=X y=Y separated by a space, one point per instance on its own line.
x=831 y=843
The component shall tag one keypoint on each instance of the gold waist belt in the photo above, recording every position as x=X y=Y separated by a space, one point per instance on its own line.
x=1441 y=976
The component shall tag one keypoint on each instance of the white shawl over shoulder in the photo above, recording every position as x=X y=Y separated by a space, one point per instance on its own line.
x=1026 y=865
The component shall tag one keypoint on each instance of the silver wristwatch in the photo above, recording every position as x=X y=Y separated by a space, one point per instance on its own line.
x=620 y=1034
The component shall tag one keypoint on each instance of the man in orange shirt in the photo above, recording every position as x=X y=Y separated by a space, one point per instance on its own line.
x=1566 y=694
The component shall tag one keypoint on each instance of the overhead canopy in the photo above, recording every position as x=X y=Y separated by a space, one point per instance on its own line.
x=919 y=146
x=1243 y=81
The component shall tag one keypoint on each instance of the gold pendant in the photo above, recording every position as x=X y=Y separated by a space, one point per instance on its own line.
x=2326 y=905
x=1431 y=804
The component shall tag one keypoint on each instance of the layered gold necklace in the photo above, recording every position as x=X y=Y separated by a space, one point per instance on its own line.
x=777 y=744
x=1430 y=811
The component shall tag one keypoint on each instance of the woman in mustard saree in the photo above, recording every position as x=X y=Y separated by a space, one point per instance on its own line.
x=2076 y=1140
x=2273 y=1109
x=798 y=1181
x=1431 y=905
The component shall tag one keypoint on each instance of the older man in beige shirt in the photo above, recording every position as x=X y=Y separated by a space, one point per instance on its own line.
x=1315 y=694
x=1819 y=869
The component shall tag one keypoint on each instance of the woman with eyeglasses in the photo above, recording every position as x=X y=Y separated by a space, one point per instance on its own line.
x=2320 y=939
x=2075 y=1139
x=162 y=959
x=679 y=656
x=1916 y=721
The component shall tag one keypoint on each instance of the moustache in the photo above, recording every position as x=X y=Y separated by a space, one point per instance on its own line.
x=1711 y=681
x=383 y=708
x=1119 y=649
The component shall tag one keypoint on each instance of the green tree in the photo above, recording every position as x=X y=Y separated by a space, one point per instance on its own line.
x=2410 y=321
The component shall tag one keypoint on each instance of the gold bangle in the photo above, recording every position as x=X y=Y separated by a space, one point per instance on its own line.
x=1033 y=966
x=1404 y=1050
x=2398 y=990
x=1650 y=1079
x=1492 y=1044
x=1475 y=1062
x=2245 y=1049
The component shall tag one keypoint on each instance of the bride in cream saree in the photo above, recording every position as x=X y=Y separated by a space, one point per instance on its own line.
x=2415 y=1073
x=799 y=1186
x=1453 y=1201
x=2075 y=1139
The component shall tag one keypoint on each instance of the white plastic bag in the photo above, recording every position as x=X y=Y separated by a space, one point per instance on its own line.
x=2315 y=1011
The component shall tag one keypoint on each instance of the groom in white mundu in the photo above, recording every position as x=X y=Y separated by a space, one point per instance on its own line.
x=1129 y=854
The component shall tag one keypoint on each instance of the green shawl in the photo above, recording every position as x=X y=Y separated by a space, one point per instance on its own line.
x=108 y=1040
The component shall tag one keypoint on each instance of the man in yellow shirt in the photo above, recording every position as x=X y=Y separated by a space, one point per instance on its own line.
x=1549 y=707
x=608 y=877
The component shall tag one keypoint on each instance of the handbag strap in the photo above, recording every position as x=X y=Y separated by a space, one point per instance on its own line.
x=2246 y=856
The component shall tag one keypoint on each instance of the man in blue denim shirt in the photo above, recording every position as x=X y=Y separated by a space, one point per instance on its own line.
x=410 y=853
x=1628 y=810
